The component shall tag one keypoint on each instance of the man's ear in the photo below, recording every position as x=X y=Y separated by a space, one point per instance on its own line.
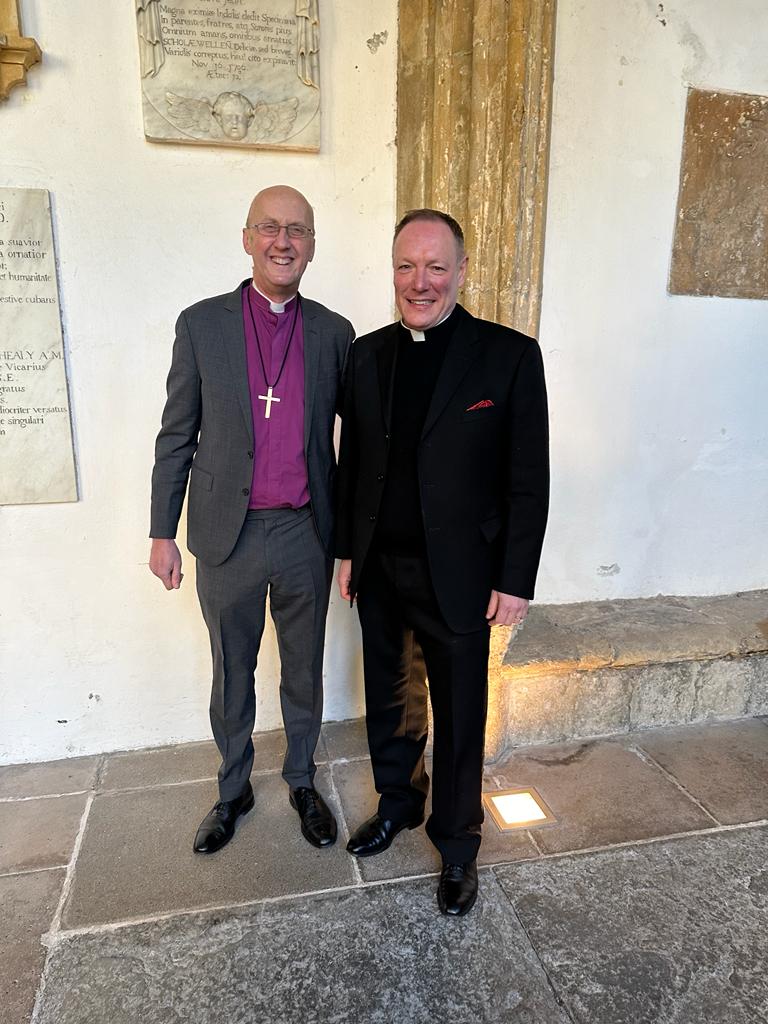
x=463 y=270
x=246 y=241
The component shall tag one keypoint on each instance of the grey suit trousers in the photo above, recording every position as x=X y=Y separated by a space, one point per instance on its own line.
x=278 y=553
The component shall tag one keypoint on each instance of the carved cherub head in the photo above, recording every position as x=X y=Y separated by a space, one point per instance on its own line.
x=234 y=113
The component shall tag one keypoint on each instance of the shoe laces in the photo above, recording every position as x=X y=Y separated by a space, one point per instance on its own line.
x=306 y=798
x=453 y=872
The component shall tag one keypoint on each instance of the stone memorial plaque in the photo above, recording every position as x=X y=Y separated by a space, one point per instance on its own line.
x=231 y=72
x=721 y=232
x=36 y=458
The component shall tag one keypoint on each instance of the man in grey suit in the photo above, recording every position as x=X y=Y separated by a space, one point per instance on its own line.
x=253 y=391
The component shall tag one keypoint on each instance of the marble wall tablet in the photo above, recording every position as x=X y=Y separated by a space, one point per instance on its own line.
x=36 y=459
x=721 y=232
x=231 y=72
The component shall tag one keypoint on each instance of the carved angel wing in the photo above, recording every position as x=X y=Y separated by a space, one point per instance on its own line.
x=274 y=120
x=188 y=114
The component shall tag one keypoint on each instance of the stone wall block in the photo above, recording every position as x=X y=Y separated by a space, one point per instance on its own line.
x=480 y=148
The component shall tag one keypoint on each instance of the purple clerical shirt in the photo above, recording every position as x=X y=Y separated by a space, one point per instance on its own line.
x=279 y=465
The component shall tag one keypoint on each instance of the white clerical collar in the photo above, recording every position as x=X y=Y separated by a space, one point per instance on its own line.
x=420 y=335
x=275 y=307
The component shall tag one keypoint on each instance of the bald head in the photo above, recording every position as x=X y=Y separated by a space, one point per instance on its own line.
x=279 y=194
x=279 y=258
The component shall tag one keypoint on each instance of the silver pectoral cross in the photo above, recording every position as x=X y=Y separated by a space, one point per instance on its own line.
x=269 y=398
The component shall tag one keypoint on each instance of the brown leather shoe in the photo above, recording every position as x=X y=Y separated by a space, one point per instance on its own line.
x=218 y=826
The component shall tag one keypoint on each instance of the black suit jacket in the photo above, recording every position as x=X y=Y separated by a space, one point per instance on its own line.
x=483 y=466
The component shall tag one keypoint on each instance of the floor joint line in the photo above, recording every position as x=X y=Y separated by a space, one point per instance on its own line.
x=343 y=819
x=653 y=763
x=49 y=939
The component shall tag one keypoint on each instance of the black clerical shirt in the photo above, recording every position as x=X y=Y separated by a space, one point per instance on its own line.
x=400 y=527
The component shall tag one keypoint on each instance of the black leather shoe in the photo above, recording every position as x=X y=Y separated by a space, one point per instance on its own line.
x=376 y=834
x=457 y=891
x=317 y=823
x=218 y=826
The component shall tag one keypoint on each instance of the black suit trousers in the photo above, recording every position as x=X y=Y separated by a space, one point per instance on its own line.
x=406 y=641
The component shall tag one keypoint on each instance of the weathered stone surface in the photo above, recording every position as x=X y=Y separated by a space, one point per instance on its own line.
x=29 y=903
x=377 y=955
x=595 y=634
x=757 y=673
x=48 y=778
x=725 y=766
x=36 y=457
x=345 y=740
x=662 y=694
x=603 y=667
x=600 y=793
x=137 y=858
x=722 y=209
x=549 y=709
x=474 y=93
x=187 y=762
x=236 y=73
x=669 y=933
x=412 y=853
x=39 y=833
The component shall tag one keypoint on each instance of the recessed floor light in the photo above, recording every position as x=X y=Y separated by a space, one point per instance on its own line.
x=517 y=808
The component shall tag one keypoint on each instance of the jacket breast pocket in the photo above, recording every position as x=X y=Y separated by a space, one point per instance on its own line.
x=487 y=414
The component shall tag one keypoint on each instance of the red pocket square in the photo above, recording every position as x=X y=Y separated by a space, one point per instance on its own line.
x=485 y=404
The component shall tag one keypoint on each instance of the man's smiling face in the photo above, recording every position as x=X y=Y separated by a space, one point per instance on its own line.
x=279 y=263
x=429 y=270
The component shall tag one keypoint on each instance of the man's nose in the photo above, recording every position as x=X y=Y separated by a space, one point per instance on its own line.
x=282 y=238
x=420 y=280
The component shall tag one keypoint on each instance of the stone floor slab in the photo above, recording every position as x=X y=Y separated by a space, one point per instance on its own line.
x=49 y=778
x=39 y=833
x=136 y=858
x=345 y=740
x=29 y=902
x=725 y=766
x=600 y=793
x=188 y=762
x=673 y=932
x=412 y=853
x=377 y=955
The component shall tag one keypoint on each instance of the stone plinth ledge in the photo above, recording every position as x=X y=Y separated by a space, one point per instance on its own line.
x=602 y=667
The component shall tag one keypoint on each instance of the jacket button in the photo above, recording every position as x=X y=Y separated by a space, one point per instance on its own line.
x=372 y=517
x=250 y=455
x=386 y=437
x=380 y=477
x=246 y=492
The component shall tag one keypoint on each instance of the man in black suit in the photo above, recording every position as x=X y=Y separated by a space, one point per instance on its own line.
x=443 y=504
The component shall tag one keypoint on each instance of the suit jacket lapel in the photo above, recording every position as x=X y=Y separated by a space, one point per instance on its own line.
x=461 y=353
x=312 y=343
x=386 y=365
x=233 y=338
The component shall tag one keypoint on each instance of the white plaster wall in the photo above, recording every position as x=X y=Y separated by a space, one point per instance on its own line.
x=658 y=411
x=142 y=230
x=658 y=402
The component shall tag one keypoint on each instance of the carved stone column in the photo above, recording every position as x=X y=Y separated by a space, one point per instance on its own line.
x=17 y=54
x=474 y=99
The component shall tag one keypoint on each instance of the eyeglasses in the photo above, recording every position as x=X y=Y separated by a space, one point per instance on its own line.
x=270 y=229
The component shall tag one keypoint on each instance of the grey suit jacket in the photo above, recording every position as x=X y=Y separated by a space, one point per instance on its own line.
x=207 y=427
